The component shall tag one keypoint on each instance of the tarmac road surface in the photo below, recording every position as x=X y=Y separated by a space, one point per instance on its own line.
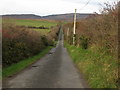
x=54 y=70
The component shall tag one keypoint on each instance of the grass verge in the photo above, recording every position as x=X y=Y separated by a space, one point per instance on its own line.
x=13 y=69
x=99 y=68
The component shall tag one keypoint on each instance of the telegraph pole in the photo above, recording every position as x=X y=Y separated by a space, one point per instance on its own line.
x=74 y=27
x=68 y=34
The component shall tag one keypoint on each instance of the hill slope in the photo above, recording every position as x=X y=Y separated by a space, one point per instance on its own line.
x=66 y=17
x=22 y=16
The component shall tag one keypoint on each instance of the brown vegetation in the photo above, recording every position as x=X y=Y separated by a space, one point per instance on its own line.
x=20 y=42
x=100 y=30
x=96 y=50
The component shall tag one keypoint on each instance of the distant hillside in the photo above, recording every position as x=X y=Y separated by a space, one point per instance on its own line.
x=66 y=17
x=22 y=16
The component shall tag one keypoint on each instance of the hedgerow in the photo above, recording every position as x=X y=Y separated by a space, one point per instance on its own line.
x=20 y=42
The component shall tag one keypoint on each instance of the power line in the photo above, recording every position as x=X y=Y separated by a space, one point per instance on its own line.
x=85 y=5
x=88 y=3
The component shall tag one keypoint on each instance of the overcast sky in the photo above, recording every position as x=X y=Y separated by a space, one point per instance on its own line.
x=48 y=7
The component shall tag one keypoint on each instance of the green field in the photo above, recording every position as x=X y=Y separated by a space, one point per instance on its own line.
x=0 y=20
x=33 y=22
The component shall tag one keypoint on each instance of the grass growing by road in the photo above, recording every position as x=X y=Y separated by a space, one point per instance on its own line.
x=13 y=69
x=99 y=68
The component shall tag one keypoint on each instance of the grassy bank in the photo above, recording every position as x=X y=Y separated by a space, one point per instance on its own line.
x=99 y=68
x=14 y=68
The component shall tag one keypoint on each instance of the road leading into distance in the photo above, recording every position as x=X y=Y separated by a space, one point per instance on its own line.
x=55 y=70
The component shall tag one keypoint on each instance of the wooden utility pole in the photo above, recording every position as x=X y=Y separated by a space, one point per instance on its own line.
x=74 y=27
x=68 y=34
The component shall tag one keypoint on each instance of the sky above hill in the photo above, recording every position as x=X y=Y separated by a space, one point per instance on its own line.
x=48 y=7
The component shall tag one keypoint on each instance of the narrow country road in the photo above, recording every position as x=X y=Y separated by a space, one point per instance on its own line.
x=55 y=70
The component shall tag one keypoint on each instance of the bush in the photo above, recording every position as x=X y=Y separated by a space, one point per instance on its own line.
x=99 y=33
x=84 y=42
x=100 y=28
x=14 y=46
x=20 y=42
x=44 y=40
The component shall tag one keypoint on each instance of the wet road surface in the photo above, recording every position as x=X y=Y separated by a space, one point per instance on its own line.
x=55 y=70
